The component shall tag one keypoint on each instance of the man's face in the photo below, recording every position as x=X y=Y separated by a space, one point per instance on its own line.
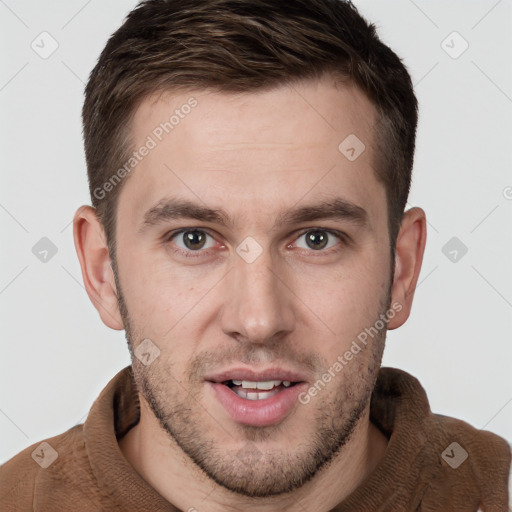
x=256 y=293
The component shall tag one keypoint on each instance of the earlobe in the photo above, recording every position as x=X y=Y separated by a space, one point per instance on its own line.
x=92 y=250
x=410 y=246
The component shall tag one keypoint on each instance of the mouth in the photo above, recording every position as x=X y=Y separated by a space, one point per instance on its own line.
x=258 y=390
x=257 y=398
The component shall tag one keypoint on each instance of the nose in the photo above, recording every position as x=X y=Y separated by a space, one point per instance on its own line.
x=258 y=303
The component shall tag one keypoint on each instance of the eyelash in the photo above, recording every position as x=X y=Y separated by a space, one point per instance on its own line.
x=168 y=237
x=188 y=254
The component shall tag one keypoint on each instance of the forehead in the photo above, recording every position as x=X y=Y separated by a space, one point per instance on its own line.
x=308 y=111
x=253 y=147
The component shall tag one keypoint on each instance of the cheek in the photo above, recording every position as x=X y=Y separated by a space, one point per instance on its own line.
x=344 y=302
x=163 y=300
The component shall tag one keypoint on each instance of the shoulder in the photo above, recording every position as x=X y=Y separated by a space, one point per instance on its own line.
x=447 y=464
x=486 y=449
x=30 y=478
x=473 y=466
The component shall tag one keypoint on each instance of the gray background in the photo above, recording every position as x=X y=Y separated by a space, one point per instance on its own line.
x=56 y=355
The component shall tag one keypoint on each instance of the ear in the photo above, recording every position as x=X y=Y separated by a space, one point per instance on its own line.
x=92 y=250
x=410 y=246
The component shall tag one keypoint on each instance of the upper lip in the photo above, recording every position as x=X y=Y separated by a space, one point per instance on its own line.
x=252 y=375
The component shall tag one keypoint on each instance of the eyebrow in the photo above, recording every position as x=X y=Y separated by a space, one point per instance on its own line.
x=174 y=209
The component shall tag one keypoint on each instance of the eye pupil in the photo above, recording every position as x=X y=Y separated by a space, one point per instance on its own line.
x=316 y=239
x=194 y=239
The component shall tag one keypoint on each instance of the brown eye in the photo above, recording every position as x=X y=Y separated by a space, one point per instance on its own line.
x=317 y=239
x=194 y=240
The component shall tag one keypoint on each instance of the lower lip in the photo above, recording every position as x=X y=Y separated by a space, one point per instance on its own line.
x=258 y=413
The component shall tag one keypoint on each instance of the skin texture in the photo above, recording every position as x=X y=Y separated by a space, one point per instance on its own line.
x=296 y=306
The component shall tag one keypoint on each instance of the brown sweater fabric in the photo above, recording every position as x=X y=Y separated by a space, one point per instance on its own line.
x=432 y=462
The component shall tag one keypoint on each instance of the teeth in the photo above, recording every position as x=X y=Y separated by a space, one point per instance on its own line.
x=261 y=395
x=265 y=384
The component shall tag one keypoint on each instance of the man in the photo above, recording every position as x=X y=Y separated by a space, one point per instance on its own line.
x=249 y=164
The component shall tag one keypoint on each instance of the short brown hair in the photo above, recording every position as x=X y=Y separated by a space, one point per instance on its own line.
x=240 y=46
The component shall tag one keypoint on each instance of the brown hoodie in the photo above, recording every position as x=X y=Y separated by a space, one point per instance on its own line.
x=432 y=462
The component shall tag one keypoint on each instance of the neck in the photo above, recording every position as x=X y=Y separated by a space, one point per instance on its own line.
x=159 y=460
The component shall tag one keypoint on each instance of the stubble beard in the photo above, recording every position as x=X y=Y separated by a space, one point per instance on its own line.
x=249 y=469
